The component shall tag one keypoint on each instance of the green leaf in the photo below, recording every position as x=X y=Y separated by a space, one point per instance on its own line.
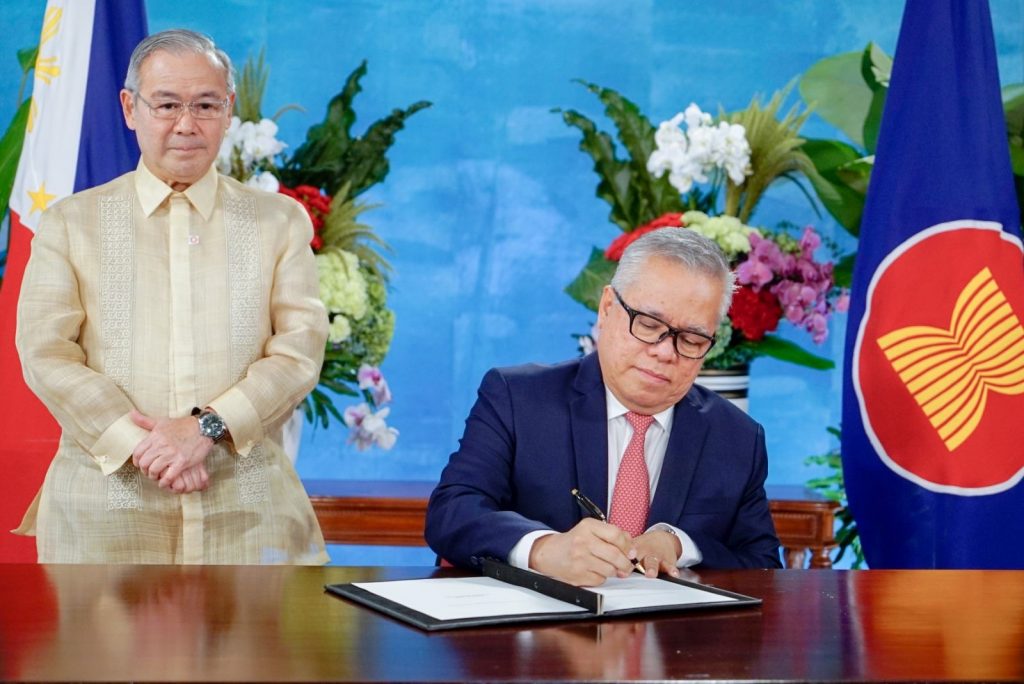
x=328 y=140
x=252 y=83
x=330 y=157
x=1017 y=160
x=876 y=67
x=829 y=155
x=1012 y=95
x=784 y=350
x=635 y=131
x=842 y=271
x=589 y=284
x=1013 y=108
x=857 y=174
x=27 y=58
x=634 y=195
x=322 y=407
x=654 y=196
x=832 y=160
x=365 y=163
x=835 y=88
x=873 y=121
x=10 y=152
x=613 y=174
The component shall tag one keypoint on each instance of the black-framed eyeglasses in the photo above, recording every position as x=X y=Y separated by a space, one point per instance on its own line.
x=652 y=330
x=199 y=109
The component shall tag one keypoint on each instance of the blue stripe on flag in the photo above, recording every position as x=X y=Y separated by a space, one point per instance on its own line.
x=108 y=148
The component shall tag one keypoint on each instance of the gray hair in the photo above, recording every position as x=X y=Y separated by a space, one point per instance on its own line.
x=688 y=248
x=178 y=41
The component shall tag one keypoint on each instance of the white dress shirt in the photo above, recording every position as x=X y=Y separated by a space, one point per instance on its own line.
x=619 y=434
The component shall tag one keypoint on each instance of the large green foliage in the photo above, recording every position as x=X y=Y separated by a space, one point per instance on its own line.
x=331 y=157
x=634 y=195
x=848 y=91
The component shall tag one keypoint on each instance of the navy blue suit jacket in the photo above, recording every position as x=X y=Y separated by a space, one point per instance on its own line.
x=536 y=432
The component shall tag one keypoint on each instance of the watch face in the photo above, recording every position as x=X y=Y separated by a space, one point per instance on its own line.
x=212 y=426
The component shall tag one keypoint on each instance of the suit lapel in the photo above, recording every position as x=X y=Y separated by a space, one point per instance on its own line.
x=689 y=430
x=589 y=423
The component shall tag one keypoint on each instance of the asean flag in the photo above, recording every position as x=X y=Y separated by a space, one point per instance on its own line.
x=933 y=450
x=75 y=139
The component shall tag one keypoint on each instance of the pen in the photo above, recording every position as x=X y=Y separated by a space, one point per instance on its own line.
x=588 y=506
x=591 y=509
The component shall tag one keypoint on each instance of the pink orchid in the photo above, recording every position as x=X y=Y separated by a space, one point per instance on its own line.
x=369 y=428
x=371 y=378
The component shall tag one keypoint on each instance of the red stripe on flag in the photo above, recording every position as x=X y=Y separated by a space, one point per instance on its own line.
x=28 y=433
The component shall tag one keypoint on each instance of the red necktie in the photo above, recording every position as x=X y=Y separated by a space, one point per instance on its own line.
x=632 y=494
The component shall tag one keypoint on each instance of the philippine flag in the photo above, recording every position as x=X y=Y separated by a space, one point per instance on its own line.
x=75 y=138
x=934 y=386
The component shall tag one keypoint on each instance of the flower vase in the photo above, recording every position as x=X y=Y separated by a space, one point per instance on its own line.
x=291 y=434
x=729 y=383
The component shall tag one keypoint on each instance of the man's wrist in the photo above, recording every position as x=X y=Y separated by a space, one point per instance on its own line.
x=211 y=425
x=519 y=556
x=690 y=554
x=668 y=529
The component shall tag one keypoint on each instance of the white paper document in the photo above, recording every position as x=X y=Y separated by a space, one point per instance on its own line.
x=454 y=598
x=637 y=591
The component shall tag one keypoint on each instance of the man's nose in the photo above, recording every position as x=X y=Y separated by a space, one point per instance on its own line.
x=665 y=350
x=186 y=122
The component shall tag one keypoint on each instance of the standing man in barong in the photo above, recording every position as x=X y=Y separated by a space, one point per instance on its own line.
x=170 y=322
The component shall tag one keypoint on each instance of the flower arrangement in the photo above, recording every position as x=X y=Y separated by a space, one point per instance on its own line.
x=326 y=174
x=675 y=177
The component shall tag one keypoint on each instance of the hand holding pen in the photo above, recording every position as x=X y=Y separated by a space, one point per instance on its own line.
x=592 y=510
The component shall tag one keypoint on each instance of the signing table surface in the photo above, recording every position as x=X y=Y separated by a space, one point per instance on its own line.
x=118 y=623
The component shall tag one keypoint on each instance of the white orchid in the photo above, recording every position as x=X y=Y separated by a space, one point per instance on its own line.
x=690 y=156
x=264 y=180
x=248 y=150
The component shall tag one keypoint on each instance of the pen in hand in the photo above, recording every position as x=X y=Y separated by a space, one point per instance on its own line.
x=591 y=509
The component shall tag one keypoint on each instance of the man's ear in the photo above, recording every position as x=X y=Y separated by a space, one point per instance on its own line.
x=128 y=108
x=605 y=305
x=607 y=299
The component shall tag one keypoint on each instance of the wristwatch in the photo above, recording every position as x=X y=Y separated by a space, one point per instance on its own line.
x=210 y=424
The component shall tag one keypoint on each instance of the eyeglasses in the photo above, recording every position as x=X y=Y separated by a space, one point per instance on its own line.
x=652 y=330
x=199 y=109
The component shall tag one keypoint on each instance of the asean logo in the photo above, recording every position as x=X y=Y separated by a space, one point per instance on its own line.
x=938 y=366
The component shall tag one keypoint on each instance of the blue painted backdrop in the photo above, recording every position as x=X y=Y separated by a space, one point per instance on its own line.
x=489 y=205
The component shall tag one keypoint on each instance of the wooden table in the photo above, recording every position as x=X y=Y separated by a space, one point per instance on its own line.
x=223 y=623
x=391 y=512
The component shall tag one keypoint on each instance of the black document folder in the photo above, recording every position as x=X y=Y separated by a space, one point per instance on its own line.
x=507 y=595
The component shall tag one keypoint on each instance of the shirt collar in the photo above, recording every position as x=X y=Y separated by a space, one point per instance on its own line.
x=152 y=191
x=616 y=409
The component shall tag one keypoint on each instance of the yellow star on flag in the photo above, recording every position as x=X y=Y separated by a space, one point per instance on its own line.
x=40 y=198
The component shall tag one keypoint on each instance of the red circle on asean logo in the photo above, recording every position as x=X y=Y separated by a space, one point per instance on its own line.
x=938 y=366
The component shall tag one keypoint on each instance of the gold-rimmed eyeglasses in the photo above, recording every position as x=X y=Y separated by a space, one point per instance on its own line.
x=650 y=329
x=199 y=109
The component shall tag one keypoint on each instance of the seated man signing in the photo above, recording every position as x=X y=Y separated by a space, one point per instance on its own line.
x=682 y=468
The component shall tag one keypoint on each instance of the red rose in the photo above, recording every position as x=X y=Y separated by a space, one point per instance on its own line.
x=754 y=313
x=619 y=244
